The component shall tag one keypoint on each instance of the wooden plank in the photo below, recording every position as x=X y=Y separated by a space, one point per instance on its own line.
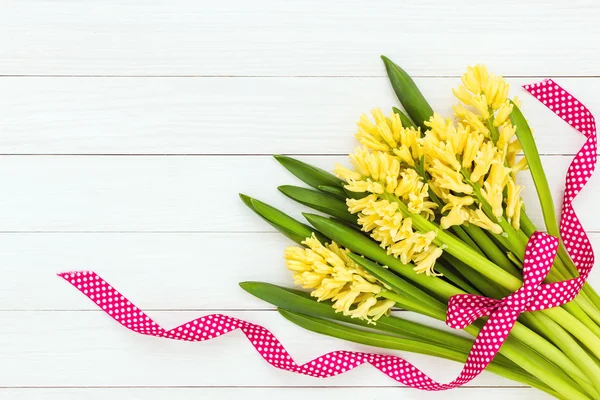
x=88 y=349
x=256 y=393
x=226 y=116
x=186 y=37
x=198 y=194
x=156 y=271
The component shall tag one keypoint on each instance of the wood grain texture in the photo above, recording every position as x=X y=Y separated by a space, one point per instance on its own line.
x=89 y=349
x=283 y=38
x=228 y=116
x=157 y=271
x=128 y=128
x=297 y=393
x=197 y=194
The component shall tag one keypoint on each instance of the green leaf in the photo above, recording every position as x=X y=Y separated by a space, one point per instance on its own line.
x=355 y=195
x=337 y=330
x=453 y=276
x=358 y=243
x=311 y=175
x=540 y=181
x=336 y=191
x=433 y=307
x=333 y=329
x=408 y=93
x=289 y=299
x=319 y=201
x=406 y=122
x=298 y=301
x=301 y=302
x=285 y=224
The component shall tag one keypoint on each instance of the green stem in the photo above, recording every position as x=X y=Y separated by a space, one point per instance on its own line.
x=458 y=249
x=384 y=341
x=543 y=325
x=436 y=310
x=461 y=232
x=576 y=328
x=490 y=249
x=512 y=237
x=347 y=237
x=592 y=304
x=454 y=276
x=491 y=270
x=569 y=346
x=534 y=162
x=518 y=241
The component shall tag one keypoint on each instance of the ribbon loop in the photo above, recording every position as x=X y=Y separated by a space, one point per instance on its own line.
x=464 y=309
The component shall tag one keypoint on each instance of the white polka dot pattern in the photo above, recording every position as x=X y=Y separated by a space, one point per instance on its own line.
x=462 y=309
x=572 y=233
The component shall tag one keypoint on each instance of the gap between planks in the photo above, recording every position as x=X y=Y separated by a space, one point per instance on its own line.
x=255 y=387
x=284 y=76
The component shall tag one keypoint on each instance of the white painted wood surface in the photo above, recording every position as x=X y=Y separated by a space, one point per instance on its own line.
x=128 y=128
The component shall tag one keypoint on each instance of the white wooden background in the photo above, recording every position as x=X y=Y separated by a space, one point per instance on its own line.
x=127 y=128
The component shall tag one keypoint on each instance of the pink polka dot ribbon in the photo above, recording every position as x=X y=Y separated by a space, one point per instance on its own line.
x=462 y=309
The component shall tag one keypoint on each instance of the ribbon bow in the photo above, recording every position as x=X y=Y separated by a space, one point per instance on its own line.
x=464 y=309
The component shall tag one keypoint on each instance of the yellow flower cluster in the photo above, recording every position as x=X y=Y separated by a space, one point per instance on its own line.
x=332 y=275
x=388 y=135
x=379 y=172
x=395 y=233
x=481 y=140
x=466 y=163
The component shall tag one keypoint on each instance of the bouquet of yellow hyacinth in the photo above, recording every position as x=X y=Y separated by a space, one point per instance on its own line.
x=429 y=209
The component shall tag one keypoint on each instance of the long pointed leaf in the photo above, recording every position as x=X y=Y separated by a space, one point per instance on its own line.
x=408 y=93
x=336 y=191
x=343 y=332
x=406 y=122
x=298 y=301
x=309 y=174
x=534 y=161
x=319 y=201
x=285 y=224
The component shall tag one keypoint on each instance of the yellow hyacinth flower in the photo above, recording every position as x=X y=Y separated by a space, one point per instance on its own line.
x=478 y=217
x=468 y=118
x=391 y=229
x=387 y=134
x=474 y=143
x=514 y=204
x=357 y=205
x=378 y=172
x=443 y=151
x=519 y=166
x=346 y=173
x=476 y=100
x=492 y=193
x=363 y=308
x=439 y=127
x=448 y=178
x=476 y=78
x=483 y=161
x=479 y=83
x=425 y=261
x=457 y=210
x=334 y=276
x=503 y=113
x=507 y=133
